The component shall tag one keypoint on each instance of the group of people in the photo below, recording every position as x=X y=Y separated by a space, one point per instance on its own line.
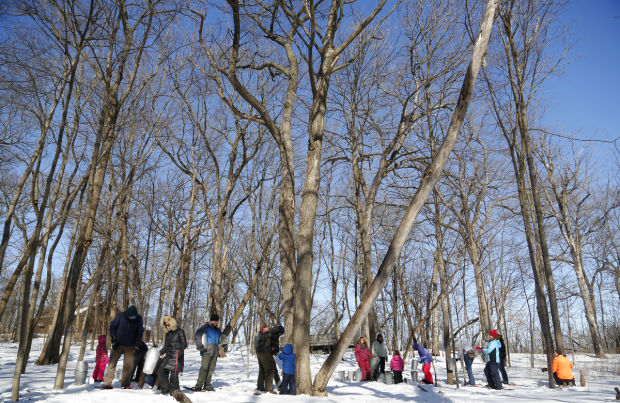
x=128 y=338
x=364 y=355
x=494 y=355
x=495 y=367
x=267 y=345
x=127 y=334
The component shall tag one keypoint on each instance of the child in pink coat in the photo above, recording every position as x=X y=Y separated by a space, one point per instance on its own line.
x=397 y=366
x=101 y=359
x=363 y=356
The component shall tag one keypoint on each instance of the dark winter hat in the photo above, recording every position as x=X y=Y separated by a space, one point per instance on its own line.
x=557 y=350
x=131 y=312
x=279 y=329
x=493 y=333
x=379 y=335
x=214 y=317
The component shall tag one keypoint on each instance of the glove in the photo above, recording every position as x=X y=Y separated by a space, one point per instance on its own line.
x=415 y=340
x=136 y=348
x=479 y=348
x=114 y=345
x=544 y=369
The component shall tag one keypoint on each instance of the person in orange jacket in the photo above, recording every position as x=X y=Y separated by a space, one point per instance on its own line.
x=562 y=369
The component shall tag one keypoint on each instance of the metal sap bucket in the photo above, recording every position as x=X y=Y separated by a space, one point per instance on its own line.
x=342 y=376
x=381 y=378
x=357 y=376
x=81 y=370
x=118 y=374
x=389 y=378
x=414 y=376
x=150 y=360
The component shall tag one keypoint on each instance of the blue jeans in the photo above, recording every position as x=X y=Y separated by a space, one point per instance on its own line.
x=470 y=374
x=288 y=384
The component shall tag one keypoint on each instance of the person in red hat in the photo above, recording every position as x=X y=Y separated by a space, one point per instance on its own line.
x=491 y=370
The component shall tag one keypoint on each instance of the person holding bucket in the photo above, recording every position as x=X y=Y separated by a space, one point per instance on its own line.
x=207 y=340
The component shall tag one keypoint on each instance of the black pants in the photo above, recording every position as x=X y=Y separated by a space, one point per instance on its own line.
x=491 y=371
x=502 y=371
x=561 y=382
x=168 y=380
x=379 y=369
x=398 y=376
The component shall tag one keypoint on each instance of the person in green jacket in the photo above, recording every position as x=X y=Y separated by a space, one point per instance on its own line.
x=379 y=349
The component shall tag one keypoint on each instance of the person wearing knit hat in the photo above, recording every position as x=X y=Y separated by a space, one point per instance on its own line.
x=562 y=369
x=208 y=337
x=125 y=333
x=491 y=369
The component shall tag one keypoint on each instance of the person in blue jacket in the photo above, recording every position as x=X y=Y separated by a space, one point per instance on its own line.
x=491 y=369
x=125 y=333
x=207 y=340
x=288 y=386
x=425 y=359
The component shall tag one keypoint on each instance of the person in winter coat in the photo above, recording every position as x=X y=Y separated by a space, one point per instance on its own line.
x=101 y=359
x=363 y=356
x=425 y=359
x=288 y=370
x=379 y=350
x=502 y=359
x=467 y=355
x=209 y=352
x=125 y=332
x=491 y=369
x=173 y=351
x=562 y=369
x=397 y=365
x=267 y=345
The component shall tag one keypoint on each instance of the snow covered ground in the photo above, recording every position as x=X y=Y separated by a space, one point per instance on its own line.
x=235 y=380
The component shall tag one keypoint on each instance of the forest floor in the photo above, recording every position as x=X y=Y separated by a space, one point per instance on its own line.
x=235 y=381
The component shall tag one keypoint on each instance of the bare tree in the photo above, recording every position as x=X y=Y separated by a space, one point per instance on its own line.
x=568 y=200
x=428 y=181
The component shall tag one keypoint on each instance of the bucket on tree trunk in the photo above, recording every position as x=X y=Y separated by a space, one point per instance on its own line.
x=81 y=370
x=118 y=374
x=357 y=376
x=389 y=378
x=381 y=378
x=414 y=376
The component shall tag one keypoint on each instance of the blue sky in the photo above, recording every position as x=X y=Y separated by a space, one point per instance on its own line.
x=584 y=101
